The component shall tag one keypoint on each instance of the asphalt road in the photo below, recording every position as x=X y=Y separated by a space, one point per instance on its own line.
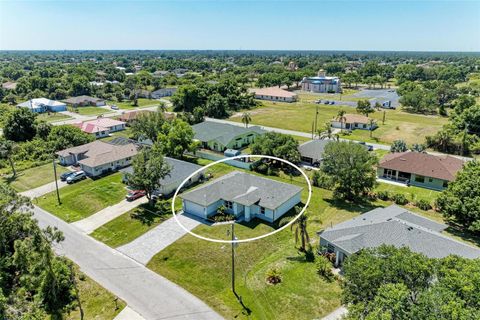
x=146 y=292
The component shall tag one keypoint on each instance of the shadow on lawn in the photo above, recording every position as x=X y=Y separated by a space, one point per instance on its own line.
x=462 y=233
x=361 y=207
x=148 y=214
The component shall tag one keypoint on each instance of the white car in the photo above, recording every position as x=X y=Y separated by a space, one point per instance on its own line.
x=114 y=107
x=76 y=176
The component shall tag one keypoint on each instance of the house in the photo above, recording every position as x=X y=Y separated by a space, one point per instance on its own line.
x=164 y=92
x=142 y=93
x=101 y=127
x=392 y=226
x=274 y=94
x=128 y=117
x=82 y=101
x=244 y=195
x=419 y=169
x=312 y=151
x=221 y=136
x=180 y=170
x=160 y=73
x=41 y=105
x=98 y=157
x=352 y=122
x=321 y=83
x=9 y=85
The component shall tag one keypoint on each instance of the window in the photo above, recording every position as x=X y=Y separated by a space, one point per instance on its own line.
x=445 y=183
x=430 y=180
x=228 y=204
x=262 y=210
x=420 y=179
x=364 y=126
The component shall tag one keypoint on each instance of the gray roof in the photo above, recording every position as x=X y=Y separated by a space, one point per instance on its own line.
x=180 y=170
x=82 y=99
x=313 y=148
x=398 y=227
x=245 y=189
x=221 y=132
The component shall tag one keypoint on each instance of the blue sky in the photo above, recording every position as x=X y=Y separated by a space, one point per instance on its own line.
x=225 y=24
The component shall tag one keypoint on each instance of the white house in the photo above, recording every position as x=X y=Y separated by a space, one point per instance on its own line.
x=164 y=92
x=274 y=94
x=353 y=121
x=244 y=195
x=40 y=105
x=321 y=83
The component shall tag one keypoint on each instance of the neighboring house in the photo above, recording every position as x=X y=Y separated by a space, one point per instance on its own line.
x=142 y=93
x=180 y=170
x=82 y=101
x=352 y=122
x=221 y=136
x=128 y=117
x=101 y=127
x=41 y=105
x=9 y=85
x=392 y=226
x=274 y=94
x=164 y=92
x=419 y=169
x=244 y=195
x=321 y=83
x=98 y=157
x=160 y=73
x=312 y=151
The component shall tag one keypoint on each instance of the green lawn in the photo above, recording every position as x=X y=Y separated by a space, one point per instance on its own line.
x=132 y=224
x=124 y=133
x=412 y=193
x=92 y=111
x=85 y=198
x=33 y=177
x=97 y=302
x=142 y=103
x=53 y=117
x=299 y=116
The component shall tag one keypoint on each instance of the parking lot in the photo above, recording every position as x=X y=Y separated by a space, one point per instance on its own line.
x=373 y=95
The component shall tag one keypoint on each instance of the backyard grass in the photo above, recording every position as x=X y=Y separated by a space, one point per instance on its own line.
x=124 y=133
x=299 y=116
x=33 y=177
x=412 y=193
x=142 y=103
x=84 y=198
x=92 y=111
x=53 y=117
x=97 y=302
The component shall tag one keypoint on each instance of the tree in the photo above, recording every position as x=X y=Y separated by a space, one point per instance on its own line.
x=300 y=226
x=149 y=168
x=461 y=200
x=398 y=146
x=341 y=117
x=66 y=136
x=216 y=106
x=418 y=147
x=246 y=119
x=350 y=167
x=364 y=107
x=327 y=132
x=148 y=126
x=277 y=145
x=6 y=152
x=177 y=138
x=20 y=125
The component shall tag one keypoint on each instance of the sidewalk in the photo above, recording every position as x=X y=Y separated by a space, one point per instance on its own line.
x=337 y=314
x=42 y=190
x=89 y=224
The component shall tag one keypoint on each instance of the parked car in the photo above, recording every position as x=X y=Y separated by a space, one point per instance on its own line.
x=76 y=176
x=318 y=101
x=135 y=194
x=114 y=107
x=65 y=175
x=316 y=164
x=332 y=102
x=367 y=146
x=326 y=102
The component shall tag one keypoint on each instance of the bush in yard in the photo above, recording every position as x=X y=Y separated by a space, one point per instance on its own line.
x=324 y=268
x=423 y=204
x=398 y=146
x=383 y=195
x=399 y=199
x=274 y=276
x=321 y=180
x=261 y=168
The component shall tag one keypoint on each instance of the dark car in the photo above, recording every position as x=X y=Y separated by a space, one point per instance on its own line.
x=367 y=146
x=65 y=175
x=135 y=194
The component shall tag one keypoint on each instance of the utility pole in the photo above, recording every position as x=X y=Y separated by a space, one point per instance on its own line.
x=384 y=114
x=233 y=263
x=313 y=128
x=316 y=119
x=56 y=182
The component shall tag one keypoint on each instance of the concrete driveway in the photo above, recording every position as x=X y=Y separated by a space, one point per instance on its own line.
x=42 y=190
x=147 y=293
x=149 y=244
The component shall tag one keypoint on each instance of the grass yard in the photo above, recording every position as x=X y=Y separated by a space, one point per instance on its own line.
x=142 y=103
x=299 y=116
x=132 y=224
x=97 y=302
x=53 y=117
x=84 y=198
x=124 y=133
x=33 y=177
x=92 y=111
x=412 y=193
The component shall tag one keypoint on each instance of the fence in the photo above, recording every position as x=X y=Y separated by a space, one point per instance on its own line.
x=215 y=157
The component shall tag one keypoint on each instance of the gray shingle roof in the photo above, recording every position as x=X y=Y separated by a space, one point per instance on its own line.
x=313 y=148
x=222 y=132
x=398 y=227
x=243 y=188
x=180 y=170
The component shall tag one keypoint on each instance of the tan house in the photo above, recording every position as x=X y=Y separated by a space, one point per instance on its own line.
x=82 y=101
x=98 y=157
x=274 y=94
x=419 y=169
x=353 y=121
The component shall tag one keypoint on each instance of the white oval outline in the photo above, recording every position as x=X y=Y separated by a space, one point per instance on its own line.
x=249 y=239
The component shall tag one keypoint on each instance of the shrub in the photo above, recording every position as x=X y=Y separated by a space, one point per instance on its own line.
x=324 y=268
x=383 y=195
x=261 y=168
x=274 y=276
x=423 y=204
x=399 y=199
x=284 y=220
x=309 y=255
x=321 y=180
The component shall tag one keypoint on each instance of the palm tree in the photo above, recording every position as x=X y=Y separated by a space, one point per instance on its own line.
x=6 y=151
x=162 y=107
x=371 y=122
x=327 y=133
x=300 y=226
x=246 y=119
x=341 y=117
